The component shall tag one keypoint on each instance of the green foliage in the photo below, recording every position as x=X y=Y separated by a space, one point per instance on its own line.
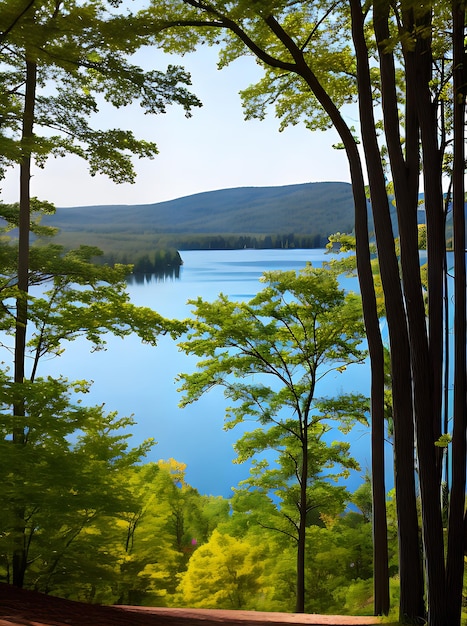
x=297 y=329
x=422 y=237
x=362 y=499
x=269 y=355
x=77 y=298
x=338 y=564
x=63 y=464
x=443 y=441
x=224 y=573
x=57 y=60
x=63 y=476
x=245 y=28
x=280 y=480
x=151 y=541
x=81 y=55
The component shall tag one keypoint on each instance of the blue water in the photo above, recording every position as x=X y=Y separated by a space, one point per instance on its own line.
x=136 y=379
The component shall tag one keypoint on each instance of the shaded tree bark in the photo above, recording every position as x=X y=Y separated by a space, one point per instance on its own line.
x=20 y=551
x=411 y=580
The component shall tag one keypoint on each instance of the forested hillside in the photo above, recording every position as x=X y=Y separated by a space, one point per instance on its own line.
x=309 y=208
x=149 y=236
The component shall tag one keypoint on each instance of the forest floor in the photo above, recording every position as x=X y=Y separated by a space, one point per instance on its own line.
x=28 y=608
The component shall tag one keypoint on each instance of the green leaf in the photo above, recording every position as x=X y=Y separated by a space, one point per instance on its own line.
x=443 y=441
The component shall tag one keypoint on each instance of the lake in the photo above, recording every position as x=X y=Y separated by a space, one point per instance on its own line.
x=136 y=379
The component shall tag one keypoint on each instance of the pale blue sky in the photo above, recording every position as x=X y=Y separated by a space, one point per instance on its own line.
x=215 y=149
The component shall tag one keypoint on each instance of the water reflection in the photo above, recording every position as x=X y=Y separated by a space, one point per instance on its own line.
x=167 y=274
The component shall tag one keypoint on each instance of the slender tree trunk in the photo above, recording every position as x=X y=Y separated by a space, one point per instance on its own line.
x=446 y=379
x=427 y=406
x=411 y=580
x=428 y=358
x=19 y=559
x=376 y=351
x=24 y=227
x=435 y=225
x=456 y=532
x=301 y=543
x=375 y=346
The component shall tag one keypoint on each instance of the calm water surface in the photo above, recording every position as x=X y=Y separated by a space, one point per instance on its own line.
x=135 y=379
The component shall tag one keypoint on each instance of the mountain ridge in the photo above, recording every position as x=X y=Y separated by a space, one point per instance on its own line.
x=318 y=207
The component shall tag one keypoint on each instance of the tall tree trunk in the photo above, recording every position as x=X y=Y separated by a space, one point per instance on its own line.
x=376 y=352
x=375 y=347
x=415 y=379
x=427 y=405
x=419 y=81
x=456 y=532
x=411 y=580
x=20 y=550
x=24 y=228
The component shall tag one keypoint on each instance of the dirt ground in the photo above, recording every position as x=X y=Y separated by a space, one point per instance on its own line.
x=28 y=608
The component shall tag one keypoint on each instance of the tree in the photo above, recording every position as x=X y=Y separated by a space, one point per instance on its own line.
x=409 y=58
x=288 y=64
x=59 y=55
x=75 y=299
x=72 y=298
x=62 y=477
x=339 y=552
x=223 y=573
x=152 y=556
x=54 y=45
x=294 y=332
x=150 y=543
x=285 y=509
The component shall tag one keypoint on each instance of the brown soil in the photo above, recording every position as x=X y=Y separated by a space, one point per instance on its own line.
x=28 y=608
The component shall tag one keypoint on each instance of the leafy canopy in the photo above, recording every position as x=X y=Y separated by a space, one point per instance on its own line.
x=82 y=55
x=296 y=330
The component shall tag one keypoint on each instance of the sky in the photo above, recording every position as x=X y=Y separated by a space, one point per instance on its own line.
x=214 y=149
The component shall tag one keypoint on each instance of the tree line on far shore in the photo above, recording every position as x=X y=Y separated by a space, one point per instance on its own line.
x=160 y=259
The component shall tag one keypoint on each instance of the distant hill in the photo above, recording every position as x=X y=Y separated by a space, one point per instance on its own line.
x=312 y=208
